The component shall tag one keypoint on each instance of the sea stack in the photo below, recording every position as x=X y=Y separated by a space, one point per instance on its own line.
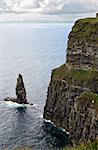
x=20 y=90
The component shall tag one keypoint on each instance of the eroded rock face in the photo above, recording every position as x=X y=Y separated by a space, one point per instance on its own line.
x=83 y=119
x=79 y=75
x=20 y=90
x=82 y=50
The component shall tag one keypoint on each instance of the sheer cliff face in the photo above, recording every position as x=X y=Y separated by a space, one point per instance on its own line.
x=72 y=94
x=83 y=44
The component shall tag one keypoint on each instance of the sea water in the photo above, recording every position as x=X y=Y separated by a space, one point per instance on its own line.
x=32 y=50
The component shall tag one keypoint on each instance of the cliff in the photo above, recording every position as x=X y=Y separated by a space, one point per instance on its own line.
x=72 y=100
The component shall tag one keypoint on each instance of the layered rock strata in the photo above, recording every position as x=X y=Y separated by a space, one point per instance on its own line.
x=72 y=98
x=20 y=92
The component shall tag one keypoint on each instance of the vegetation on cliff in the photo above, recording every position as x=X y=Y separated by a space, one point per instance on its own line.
x=64 y=72
x=88 y=98
x=91 y=146
x=23 y=148
x=72 y=99
x=86 y=28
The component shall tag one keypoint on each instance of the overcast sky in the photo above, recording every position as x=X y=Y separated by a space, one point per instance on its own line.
x=46 y=10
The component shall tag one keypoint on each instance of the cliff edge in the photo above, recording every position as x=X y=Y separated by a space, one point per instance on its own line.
x=72 y=98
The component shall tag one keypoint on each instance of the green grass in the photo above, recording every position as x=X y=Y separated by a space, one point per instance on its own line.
x=89 y=20
x=60 y=72
x=87 y=29
x=79 y=24
x=22 y=148
x=91 y=146
x=84 y=75
x=88 y=98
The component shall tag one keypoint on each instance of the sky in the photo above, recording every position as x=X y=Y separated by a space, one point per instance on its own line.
x=47 y=10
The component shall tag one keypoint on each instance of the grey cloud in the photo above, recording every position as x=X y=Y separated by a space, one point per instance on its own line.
x=72 y=7
x=50 y=7
x=33 y=4
x=2 y=5
x=19 y=5
x=81 y=7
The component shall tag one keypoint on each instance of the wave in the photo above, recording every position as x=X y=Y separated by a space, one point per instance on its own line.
x=10 y=104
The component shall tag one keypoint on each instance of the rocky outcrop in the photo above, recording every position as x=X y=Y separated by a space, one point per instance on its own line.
x=82 y=50
x=20 y=92
x=72 y=93
x=83 y=119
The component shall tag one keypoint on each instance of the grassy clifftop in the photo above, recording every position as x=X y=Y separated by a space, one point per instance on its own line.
x=82 y=49
x=86 y=28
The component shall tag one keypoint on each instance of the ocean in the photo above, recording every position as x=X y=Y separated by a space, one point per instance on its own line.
x=32 y=50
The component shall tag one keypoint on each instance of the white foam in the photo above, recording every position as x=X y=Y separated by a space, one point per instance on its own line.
x=67 y=132
x=41 y=116
x=55 y=126
x=49 y=121
x=35 y=105
x=10 y=104
x=14 y=104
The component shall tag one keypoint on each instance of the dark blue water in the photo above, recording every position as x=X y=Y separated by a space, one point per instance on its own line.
x=32 y=50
